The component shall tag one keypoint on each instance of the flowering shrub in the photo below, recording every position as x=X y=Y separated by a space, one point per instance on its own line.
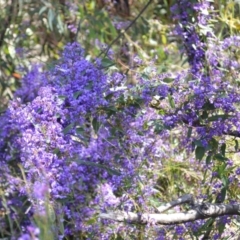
x=78 y=143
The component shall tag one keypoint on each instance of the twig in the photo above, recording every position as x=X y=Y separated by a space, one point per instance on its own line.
x=125 y=30
x=188 y=198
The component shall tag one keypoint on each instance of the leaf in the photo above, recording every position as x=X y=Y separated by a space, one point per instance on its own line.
x=109 y=96
x=221 y=197
x=158 y=126
x=236 y=145
x=208 y=106
x=68 y=128
x=207 y=225
x=80 y=130
x=145 y=125
x=77 y=94
x=225 y=181
x=111 y=110
x=219 y=157
x=168 y=80
x=199 y=152
x=221 y=170
x=185 y=61
x=145 y=76
x=189 y=133
x=20 y=6
x=98 y=165
x=51 y=16
x=223 y=149
x=60 y=24
x=96 y=125
x=221 y=228
x=204 y=115
x=214 y=144
x=106 y=63
x=43 y=9
x=161 y=112
x=171 y=101
x=91 y=221
x=198 y=143
x=208 y=159
x=217 y=117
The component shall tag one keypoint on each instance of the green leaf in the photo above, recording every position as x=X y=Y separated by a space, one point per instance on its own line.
x=185 y=61
x=171 y=101
x=214 y=144
x=221 y=170
x=198 y=143
x=223 y=149
x=204 y=115
x=62 y=97
x=217 y=117
x=206 y=226
x=199 y=152
x=219 y=157
x=145 y=125
x=109 y=96
x=145 y=76
x=222 y=195
x=106 y=63
x=189 y=133
x=225 y=181
x=80 y=130
x=208 y=159
x=60 y=24
x=68 y=128
x=91 y=220
x=161 y=112
x=208 y=106
x=56 y=151
x=77 y=94
x=51 y=16
x=96 y=125
x=168 y=80
x=43 y=9
x=158 y=127
x=98 y=165
x=236 y=145
x=221 y=227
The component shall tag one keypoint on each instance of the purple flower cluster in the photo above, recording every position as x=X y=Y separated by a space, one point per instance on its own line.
x=81 y=139
x=31 y=83
x=206 y=98
x=186 y=12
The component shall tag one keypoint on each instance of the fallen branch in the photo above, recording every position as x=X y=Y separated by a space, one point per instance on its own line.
x=199 y=211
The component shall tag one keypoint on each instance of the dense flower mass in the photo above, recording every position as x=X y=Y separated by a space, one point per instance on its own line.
x=76 y=141
x=73 y=136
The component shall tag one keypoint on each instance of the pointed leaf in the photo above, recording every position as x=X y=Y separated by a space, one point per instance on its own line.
x=171 y=101
x=68 y=128
x=96 y=125
x=199 y=153
x=106 y=63
x=223 y=149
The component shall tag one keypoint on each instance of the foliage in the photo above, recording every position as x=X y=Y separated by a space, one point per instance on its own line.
x=78 y=140
x=36 y=31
